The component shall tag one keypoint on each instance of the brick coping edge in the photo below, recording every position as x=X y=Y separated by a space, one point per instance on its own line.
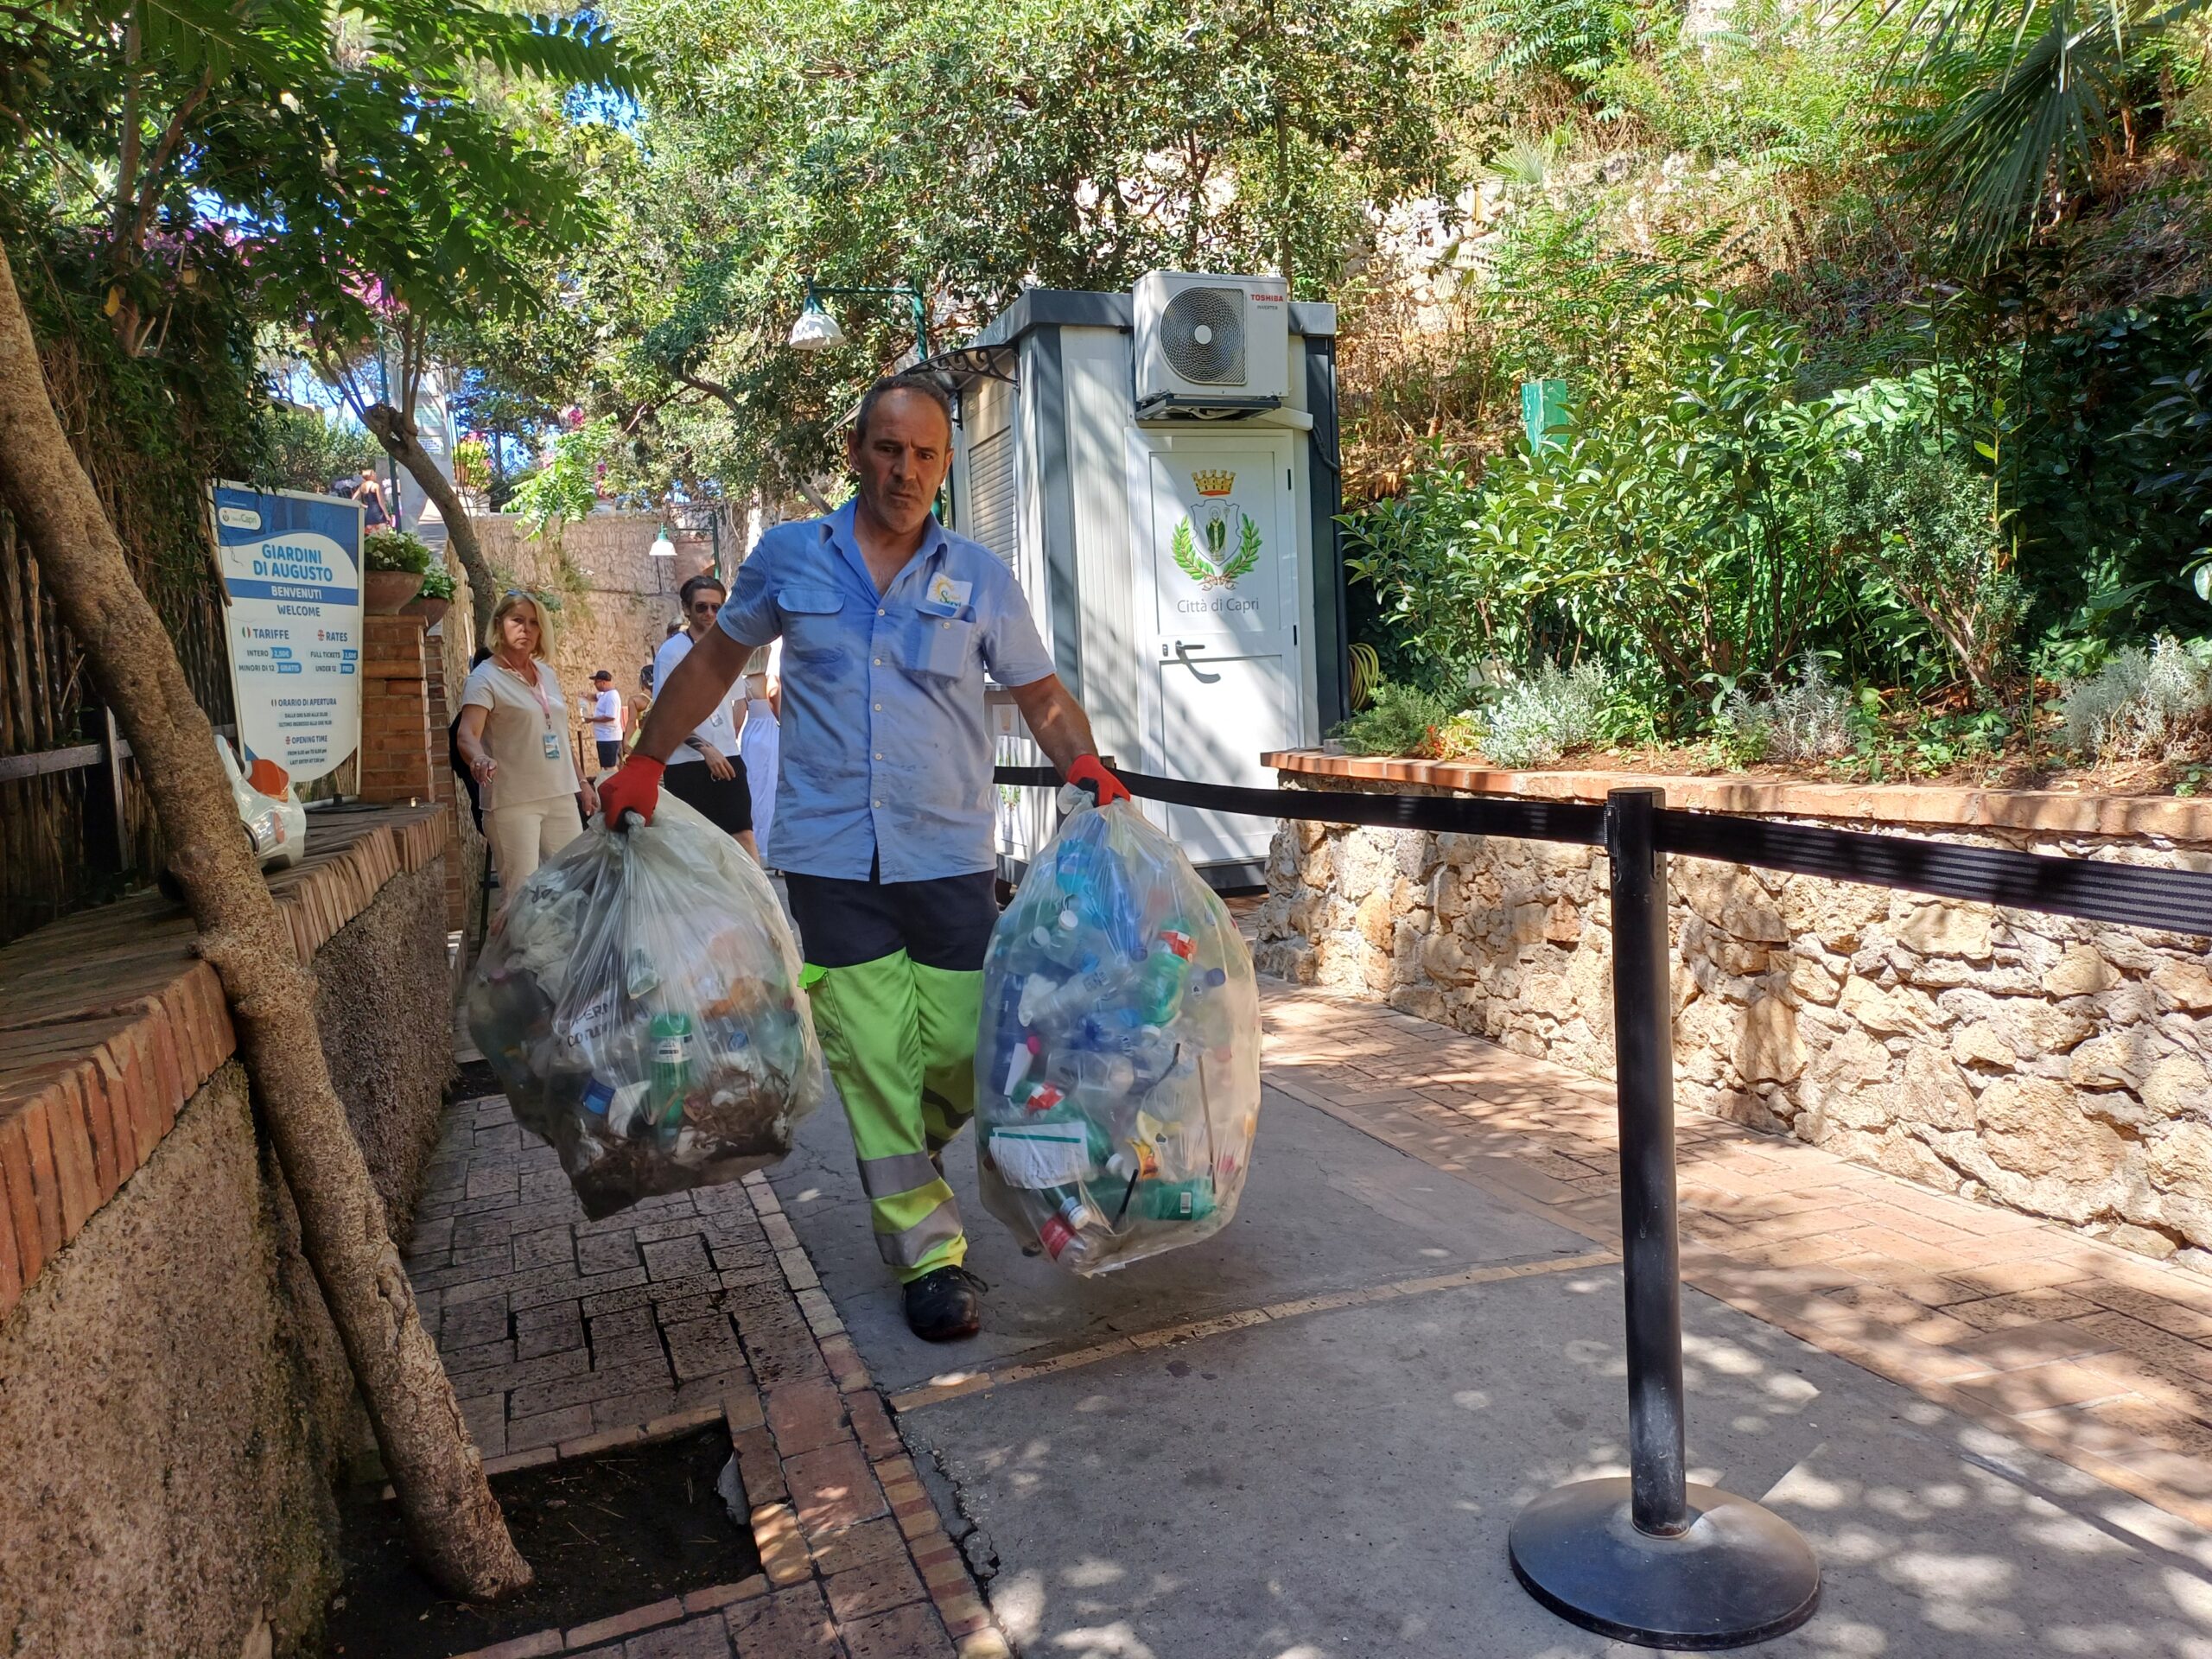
x=2041 y=811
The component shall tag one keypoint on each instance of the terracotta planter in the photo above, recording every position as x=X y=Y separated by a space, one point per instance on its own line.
x=384 y=592
x=430 y=608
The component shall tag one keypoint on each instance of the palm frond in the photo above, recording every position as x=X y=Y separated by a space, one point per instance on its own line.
x=2027 y=93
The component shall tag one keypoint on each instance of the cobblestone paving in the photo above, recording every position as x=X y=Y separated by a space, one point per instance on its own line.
x=565 y=1336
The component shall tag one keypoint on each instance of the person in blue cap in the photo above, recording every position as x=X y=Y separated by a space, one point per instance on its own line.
x=885 y=806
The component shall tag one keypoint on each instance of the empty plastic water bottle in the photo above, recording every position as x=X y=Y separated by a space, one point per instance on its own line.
x=670 y=1036
x=1060 y=941
x=1079 y=998
x=1102 y=1082
x=1097 y=891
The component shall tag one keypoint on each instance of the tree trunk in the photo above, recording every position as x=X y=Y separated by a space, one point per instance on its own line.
x=453 y=1521
x=398 y=435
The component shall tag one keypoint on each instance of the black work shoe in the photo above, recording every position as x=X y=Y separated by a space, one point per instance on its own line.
x=945 y=1306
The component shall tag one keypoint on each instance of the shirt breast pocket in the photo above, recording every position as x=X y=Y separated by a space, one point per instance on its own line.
x=940 y=647
x=813 y=628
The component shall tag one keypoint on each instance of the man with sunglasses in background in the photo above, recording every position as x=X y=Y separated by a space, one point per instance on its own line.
x=704 y=771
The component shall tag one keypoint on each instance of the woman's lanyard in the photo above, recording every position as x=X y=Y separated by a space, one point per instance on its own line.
x=551 y=742
x=545 y=705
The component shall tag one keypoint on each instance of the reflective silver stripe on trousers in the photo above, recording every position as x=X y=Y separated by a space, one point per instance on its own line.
x=902 y=1172
x=904 y=1249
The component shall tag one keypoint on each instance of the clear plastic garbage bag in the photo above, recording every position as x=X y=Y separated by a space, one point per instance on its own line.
x=1117 y=1068
x=639 y=1000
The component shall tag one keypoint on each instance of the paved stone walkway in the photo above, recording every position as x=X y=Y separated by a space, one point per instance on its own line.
x=565 y=1336
x=2091 y=1354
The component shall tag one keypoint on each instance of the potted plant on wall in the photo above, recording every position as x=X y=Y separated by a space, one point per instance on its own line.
x=396 y=562
x=436 y=594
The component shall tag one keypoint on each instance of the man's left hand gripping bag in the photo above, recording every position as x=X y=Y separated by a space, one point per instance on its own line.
x=640 y=1002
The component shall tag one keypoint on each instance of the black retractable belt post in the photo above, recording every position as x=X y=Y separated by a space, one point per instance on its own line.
x=1652 y=1559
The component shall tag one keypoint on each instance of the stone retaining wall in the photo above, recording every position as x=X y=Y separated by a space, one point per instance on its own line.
x=161 y=1489
x=2049 y=1066
x=175 y=1405
x=620 y=615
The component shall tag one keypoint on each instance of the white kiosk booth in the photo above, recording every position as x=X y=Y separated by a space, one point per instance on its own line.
x=1160 y=469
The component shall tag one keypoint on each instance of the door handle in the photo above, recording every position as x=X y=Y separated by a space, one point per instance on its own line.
x=1182 y=655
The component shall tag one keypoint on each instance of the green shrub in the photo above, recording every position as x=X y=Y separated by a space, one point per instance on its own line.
x=306 y=450
x=1677 y=529
x=1925 y=524
x=1436 y=589
x=2113 y=470
x=437 y=583
x=396 y=550
x=1399 y=720
x=1575 y=39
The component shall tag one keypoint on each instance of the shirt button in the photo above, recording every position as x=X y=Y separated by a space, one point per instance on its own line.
x=879 y=754
x=879 y=661
x=879 y=707
x=879 y=610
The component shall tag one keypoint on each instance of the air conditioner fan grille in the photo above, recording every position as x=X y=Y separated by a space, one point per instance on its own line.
x=1202 y=336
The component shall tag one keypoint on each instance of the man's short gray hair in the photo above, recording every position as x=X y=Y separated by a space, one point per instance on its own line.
x=922 y=385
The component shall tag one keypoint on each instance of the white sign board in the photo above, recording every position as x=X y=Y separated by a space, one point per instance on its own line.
x=292 y=575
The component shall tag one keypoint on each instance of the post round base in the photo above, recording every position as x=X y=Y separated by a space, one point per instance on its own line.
x=1740 y=1574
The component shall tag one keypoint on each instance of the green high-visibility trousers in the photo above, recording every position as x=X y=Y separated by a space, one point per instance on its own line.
x=900 y=1040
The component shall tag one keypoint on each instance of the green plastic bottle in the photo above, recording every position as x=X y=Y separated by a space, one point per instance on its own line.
x=670 y=1034
x=1175 y=1200
x=1160 y=979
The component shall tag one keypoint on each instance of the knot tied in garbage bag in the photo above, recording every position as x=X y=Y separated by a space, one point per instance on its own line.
x=639 y=999
x=1117 y=1068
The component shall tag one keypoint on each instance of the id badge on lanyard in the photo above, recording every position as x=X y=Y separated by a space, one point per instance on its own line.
x=552 y=745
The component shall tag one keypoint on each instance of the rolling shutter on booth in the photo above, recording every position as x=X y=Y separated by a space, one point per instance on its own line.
x=990 y=484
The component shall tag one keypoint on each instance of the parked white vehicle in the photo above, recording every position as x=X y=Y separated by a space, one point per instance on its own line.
x=276 y=825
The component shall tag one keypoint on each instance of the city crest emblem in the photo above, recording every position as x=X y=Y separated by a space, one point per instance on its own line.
x=1215 y=541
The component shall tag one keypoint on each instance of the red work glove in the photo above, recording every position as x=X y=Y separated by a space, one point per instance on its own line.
x=635 y=787
x=1090 y=772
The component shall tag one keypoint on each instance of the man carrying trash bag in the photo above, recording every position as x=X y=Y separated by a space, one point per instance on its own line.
x=884 y=813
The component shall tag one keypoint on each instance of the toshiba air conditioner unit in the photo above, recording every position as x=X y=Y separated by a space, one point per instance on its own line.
x=1216 y=346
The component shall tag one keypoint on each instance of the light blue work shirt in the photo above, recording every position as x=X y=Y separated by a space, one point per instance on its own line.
x=886 y=747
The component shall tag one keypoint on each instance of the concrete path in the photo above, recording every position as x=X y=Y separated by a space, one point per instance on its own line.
x=1309 y=1435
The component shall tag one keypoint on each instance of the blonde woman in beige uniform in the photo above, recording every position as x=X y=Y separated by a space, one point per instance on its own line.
x=514 y=734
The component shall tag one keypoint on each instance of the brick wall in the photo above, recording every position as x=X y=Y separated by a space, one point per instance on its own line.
x=396 y=750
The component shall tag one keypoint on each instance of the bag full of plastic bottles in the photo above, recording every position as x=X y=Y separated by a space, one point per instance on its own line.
x=639 y=1000
x=1117 y=1068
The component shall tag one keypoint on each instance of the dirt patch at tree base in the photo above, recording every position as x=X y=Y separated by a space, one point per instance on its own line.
x=605 y=1534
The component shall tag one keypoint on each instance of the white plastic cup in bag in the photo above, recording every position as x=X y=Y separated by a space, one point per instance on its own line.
x=639 y=999
x=1117 y=1067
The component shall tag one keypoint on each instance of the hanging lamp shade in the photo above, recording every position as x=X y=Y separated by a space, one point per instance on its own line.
x=815 y=329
